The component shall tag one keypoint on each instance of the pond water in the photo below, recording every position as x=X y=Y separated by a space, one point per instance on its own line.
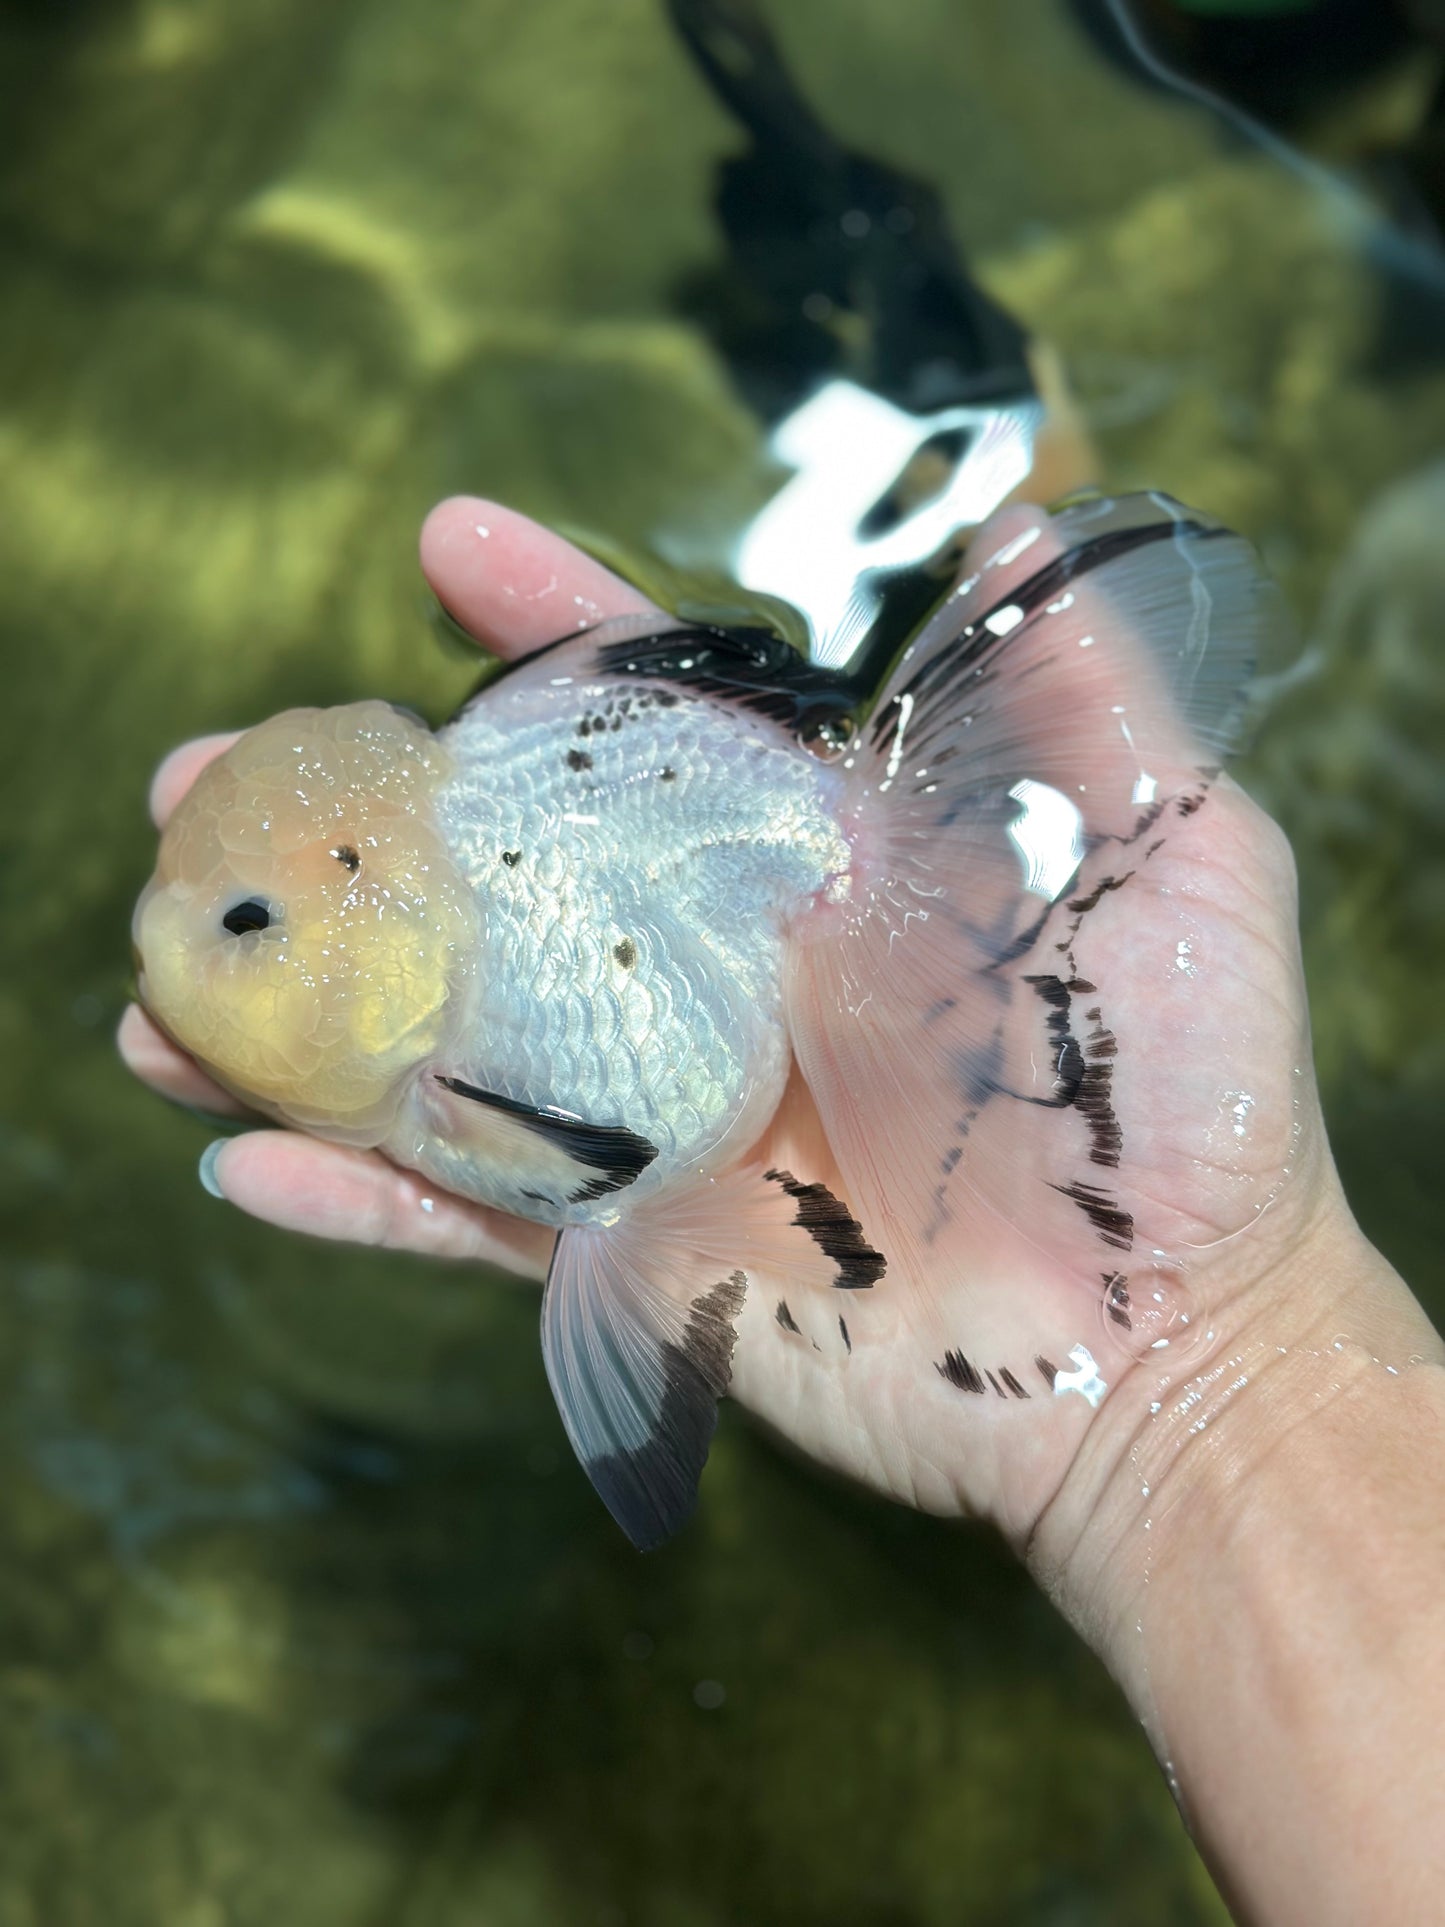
x=306 y=1615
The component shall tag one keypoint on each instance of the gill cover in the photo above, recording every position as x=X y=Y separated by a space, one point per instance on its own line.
x=306 y=929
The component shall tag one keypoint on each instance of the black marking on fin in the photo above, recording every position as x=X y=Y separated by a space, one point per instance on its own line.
x=786 y=1319
x=959 y=1372
x=843 y=1328
x=619 y=1155
x=995 y=1384
x=666 y=1469
x=752 y=667
x=1014 y=1386
x=1095 y=1095
x=1113 y=1224
x=1116 y=1298
x=1048 y=1368
x=835 y=1231
x=977 y=1068
x=977 y=644
x=1068 y=1058
x=1024 y=940
x=1081 y=906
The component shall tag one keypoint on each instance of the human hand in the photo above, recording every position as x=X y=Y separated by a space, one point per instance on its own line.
x=1243 y=1187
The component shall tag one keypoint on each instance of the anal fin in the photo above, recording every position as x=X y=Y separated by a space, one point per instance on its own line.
x=640 y=1319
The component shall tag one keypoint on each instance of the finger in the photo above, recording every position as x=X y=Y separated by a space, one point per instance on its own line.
x=180 y=769
x=156 y=1061
x=356 y=1197
x=513 y=584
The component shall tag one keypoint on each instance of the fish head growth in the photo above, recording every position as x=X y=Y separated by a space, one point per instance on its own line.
x=306 y=932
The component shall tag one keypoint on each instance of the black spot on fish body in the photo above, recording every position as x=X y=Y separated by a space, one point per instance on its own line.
x=835 y=1231
x=347 y=857
x=1187 y=805
x=578 y=759
x=959 y=1372
x=511 y=858
x=625 y=953
x=786 y=1319
x=667 y=774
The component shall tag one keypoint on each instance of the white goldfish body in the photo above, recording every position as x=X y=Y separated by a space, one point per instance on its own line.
x=563 y=956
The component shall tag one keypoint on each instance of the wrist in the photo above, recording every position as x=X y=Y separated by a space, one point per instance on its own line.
x=1310 y=1345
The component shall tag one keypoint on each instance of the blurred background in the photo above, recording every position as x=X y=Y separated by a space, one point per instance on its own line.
x=306 y=1615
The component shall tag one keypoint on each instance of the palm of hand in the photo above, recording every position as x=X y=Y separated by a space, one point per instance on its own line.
x=912 y=1389
x=1202 y=971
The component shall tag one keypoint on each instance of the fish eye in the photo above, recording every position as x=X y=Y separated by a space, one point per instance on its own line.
x=253 y=914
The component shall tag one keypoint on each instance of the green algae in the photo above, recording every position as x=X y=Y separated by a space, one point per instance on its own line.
x=305 y=1614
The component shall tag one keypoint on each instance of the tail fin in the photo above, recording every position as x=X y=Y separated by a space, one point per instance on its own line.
x=1011 y=795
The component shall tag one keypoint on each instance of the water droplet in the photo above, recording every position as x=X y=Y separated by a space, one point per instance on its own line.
x=1162 y=1312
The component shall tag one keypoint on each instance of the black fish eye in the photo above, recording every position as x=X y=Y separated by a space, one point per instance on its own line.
x=253 y=914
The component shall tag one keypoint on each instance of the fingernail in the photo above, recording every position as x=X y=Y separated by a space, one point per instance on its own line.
x=209 y=1158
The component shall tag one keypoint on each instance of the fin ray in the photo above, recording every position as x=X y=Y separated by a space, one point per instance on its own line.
x=1047 y=731
x=639 y=1321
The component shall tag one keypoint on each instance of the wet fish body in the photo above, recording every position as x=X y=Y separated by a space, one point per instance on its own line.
x=563 y=957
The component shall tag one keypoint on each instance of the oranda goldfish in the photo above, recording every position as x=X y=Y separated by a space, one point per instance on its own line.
x=562 y=956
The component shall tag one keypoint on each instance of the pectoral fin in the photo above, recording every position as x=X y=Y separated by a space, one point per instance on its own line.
x=568 y=1159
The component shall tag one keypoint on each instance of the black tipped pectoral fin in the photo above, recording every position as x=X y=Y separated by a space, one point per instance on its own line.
x=637 y=1363
x=575 y=1160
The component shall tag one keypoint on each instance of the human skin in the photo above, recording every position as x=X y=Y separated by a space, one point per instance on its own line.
x=1252 y=1537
